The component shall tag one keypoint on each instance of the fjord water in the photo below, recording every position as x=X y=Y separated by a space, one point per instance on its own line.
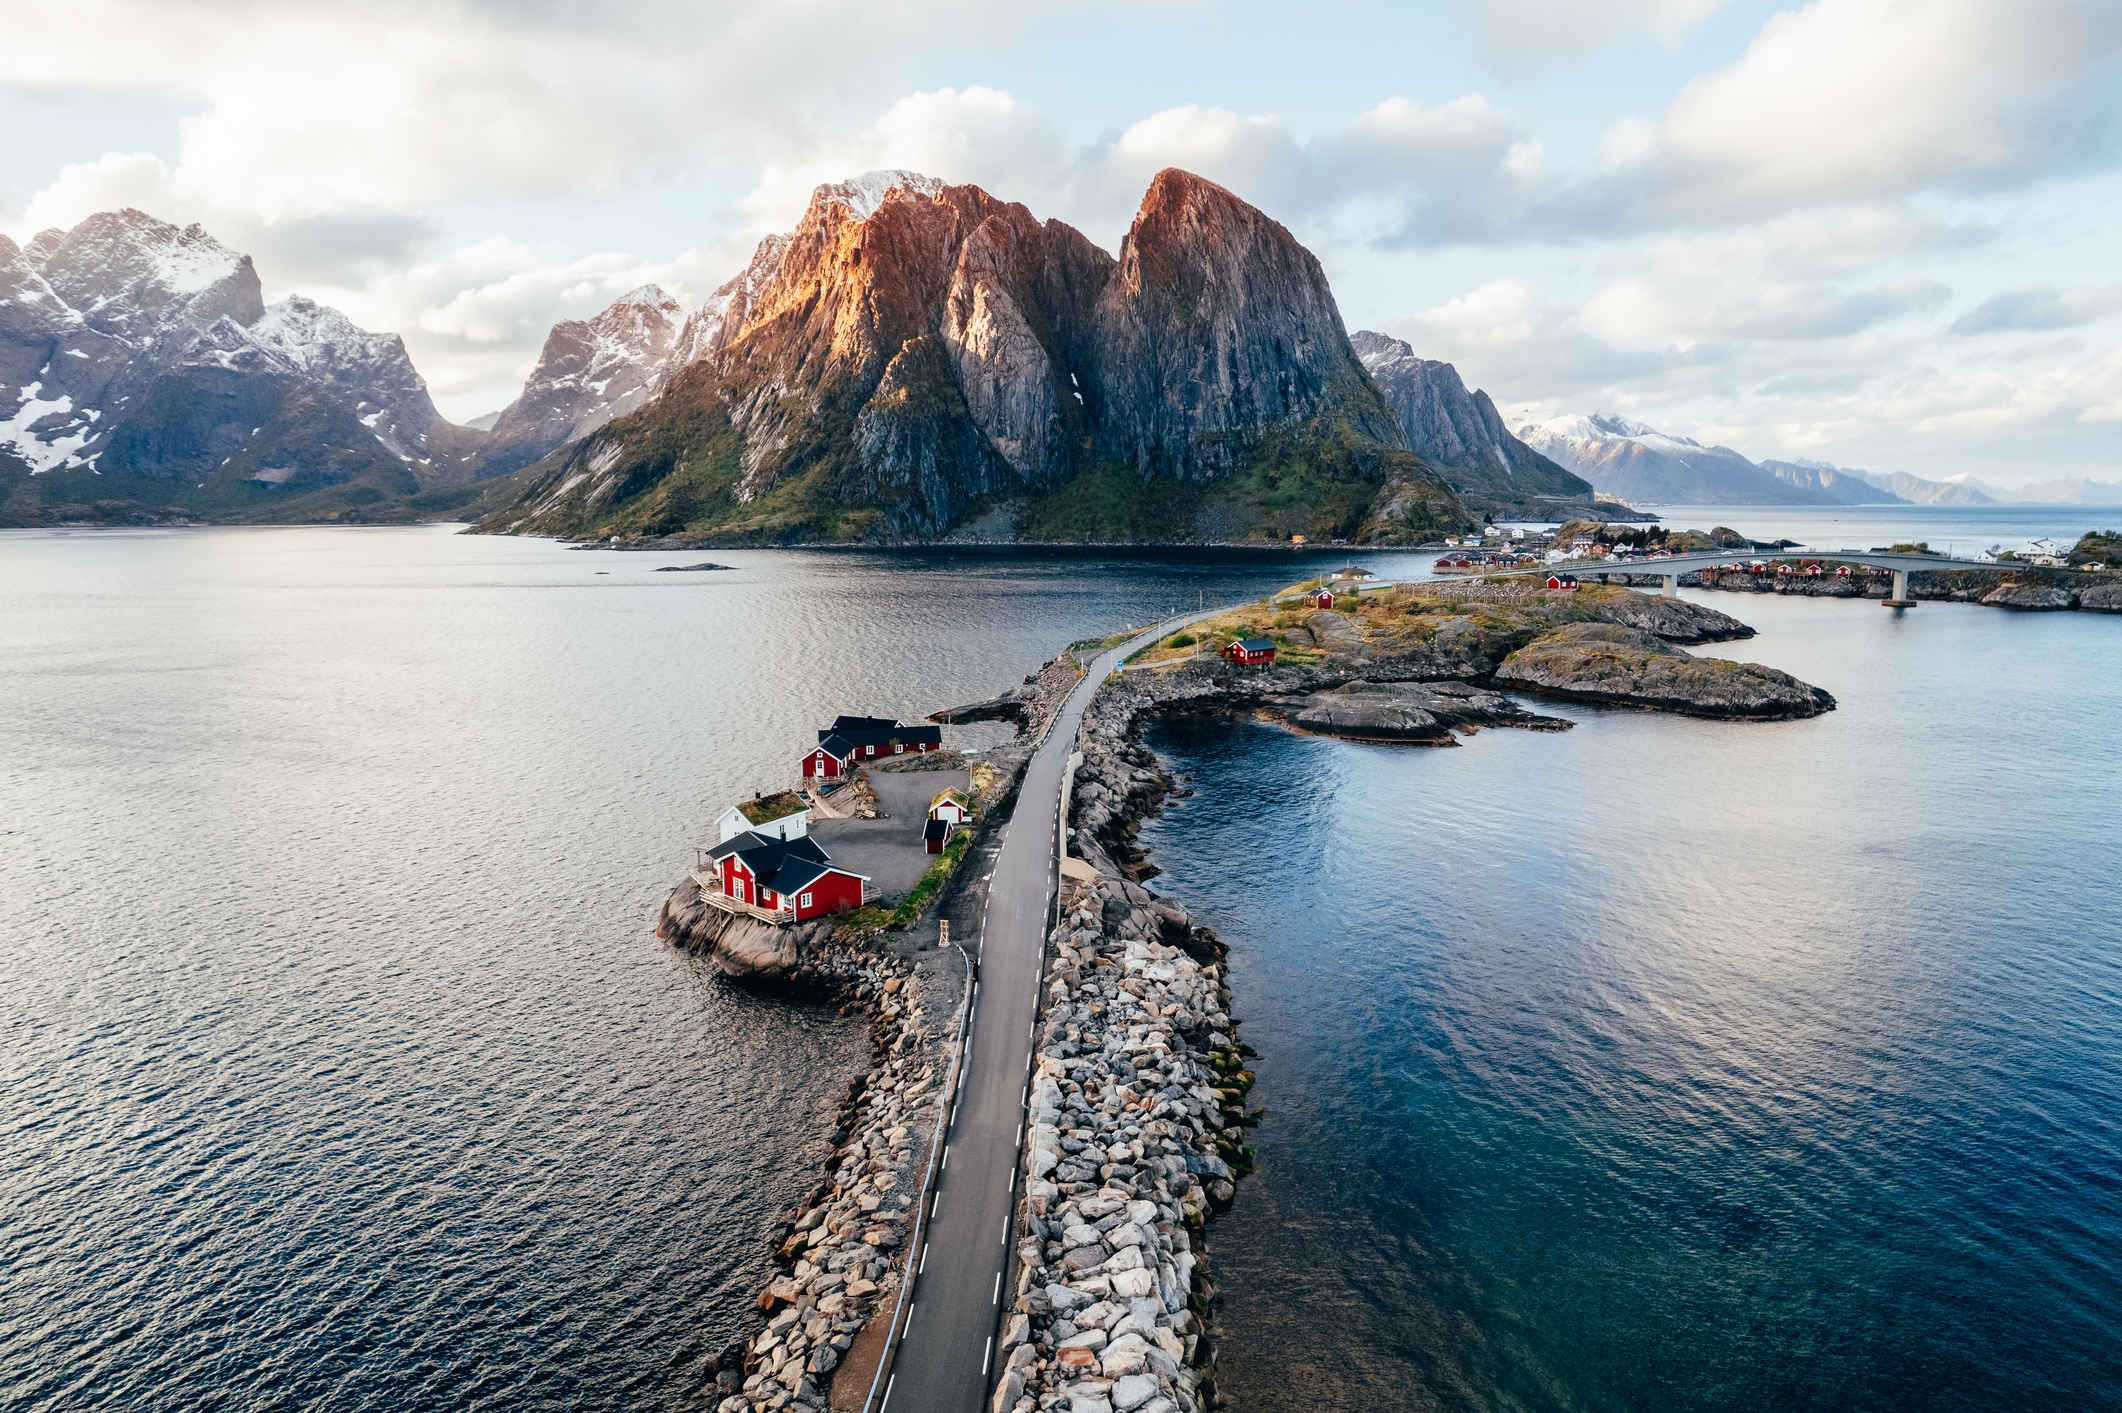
x=341 y=1070
x=1667 y=1064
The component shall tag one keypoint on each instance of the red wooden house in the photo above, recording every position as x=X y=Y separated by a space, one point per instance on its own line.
x=792 y=880
x=1250 y=652
x=851 y=740
x=1562 y=581
x=1323 y=598
x=936 y=833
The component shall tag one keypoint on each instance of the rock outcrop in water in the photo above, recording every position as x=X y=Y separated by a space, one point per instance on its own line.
x=1608 y=663
x=1410 y=713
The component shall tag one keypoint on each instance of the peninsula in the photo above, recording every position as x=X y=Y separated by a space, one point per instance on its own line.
x=1106 y=1166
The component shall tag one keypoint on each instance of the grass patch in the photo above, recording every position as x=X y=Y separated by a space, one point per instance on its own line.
x=939 y=873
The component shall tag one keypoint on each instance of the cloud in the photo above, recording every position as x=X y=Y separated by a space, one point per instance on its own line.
x=2035 y=310
x=1853 y=100
x=1519 y=38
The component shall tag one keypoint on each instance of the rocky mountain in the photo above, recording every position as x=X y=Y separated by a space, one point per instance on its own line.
x=590 y=371
x=142 y=376
x=916 y=358
x=1643 y=465
x=1833 y=484
x=1463 y=433
x=2060 y=490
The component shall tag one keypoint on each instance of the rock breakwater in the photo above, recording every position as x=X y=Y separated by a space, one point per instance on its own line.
x=843 y=1252
x=1135 y=1124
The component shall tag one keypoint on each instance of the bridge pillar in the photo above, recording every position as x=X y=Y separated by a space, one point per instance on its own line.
x=1900 y=598
x=1672 y=583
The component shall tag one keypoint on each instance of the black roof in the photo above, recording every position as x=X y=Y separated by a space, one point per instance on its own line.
x=844 y=724
x=783 y=865
x=1256 y=645
x=936 y=829
x=848 y=733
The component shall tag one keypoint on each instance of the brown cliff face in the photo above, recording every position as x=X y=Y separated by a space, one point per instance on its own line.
x=913 y=351
x=1215 y=326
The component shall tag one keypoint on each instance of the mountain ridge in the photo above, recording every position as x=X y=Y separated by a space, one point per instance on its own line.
x=916 y=358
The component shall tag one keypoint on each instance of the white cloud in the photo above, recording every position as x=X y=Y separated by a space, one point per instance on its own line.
x=1522 y=37
x=2038 y=310
x=1851 y=100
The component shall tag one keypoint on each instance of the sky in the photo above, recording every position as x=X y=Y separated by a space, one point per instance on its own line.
x=1881 y=233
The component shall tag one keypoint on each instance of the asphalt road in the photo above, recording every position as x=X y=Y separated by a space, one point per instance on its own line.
x=945 y=1357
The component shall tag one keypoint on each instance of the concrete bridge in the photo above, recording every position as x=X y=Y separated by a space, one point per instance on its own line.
x=1670 y=569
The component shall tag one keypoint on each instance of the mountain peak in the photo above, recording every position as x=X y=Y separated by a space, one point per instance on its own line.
x=1376 y=349
x=863 y=196
x=650 y=295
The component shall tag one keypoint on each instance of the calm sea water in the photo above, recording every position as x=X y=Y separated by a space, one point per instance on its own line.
x=340 y=1068
x=1657 y=1064
x=1665 y=1064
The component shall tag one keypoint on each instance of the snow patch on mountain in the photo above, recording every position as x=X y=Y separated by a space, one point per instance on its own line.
x=865 y=195
x=60 y=439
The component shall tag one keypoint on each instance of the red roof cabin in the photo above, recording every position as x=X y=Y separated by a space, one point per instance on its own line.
x=784 y=880
x=1251 y=652
x=851 y=740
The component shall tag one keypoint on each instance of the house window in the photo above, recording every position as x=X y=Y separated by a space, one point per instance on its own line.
x=803 y=900
x=897 y=748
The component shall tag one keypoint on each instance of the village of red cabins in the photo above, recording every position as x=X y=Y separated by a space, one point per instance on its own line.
x=765 y=863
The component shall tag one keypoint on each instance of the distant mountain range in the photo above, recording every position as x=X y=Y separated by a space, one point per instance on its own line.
x=914 y=360
x=1645 y=466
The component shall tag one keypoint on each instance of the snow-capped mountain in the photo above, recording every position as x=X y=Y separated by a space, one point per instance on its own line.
x=130 y=347
x=590 y=371
x=1644 y=465
x=1836 y=484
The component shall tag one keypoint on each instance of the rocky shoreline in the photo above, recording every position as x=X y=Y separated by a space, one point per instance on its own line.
x=1135 y=1132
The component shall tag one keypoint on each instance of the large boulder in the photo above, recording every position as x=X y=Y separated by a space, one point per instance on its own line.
x=2105 y=597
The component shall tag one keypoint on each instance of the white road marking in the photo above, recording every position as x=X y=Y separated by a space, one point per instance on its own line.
x=996 y=1298
x=946 y=1151
x=922 y=1269
x=987 y=1360
x=888 y=1385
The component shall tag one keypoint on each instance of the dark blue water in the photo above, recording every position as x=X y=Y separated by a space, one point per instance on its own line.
x=338 y=1067
x=1664 y=1064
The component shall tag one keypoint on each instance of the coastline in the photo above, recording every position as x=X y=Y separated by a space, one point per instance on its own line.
x=1136 y=1114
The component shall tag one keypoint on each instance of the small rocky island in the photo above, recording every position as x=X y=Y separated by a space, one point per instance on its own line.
x=1425 y=664
x=1605 y=662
